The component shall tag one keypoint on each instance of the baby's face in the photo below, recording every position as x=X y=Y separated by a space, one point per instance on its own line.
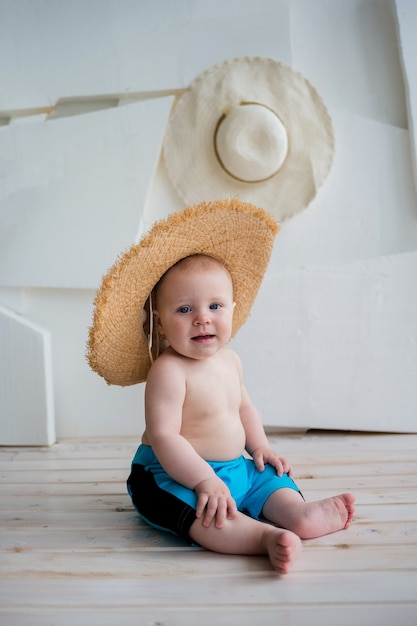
x=195 y=307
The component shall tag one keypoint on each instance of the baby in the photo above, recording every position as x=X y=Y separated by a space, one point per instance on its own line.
x=190 y=475
x=204 y=469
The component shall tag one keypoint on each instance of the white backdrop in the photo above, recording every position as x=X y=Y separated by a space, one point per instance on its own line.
x=331 y=342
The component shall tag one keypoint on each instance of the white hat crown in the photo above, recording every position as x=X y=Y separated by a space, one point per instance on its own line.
x=251 y=142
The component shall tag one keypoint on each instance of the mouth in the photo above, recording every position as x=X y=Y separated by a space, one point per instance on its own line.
x=202 y=338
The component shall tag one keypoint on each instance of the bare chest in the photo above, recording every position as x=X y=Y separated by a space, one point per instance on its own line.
x=211 y=391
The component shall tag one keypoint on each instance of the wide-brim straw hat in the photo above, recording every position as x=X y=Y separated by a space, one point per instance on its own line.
x=238 y=234
x=254 y=128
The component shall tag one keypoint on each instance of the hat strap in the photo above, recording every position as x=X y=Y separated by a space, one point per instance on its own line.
x=150 y=333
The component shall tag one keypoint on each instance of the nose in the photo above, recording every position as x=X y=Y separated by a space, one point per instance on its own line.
x=202 y=319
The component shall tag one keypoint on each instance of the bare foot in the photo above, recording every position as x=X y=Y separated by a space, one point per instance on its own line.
x=325 y=516
x=283 y=548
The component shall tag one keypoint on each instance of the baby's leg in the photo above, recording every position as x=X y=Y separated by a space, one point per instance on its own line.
x=286 y=508
x=244 y=535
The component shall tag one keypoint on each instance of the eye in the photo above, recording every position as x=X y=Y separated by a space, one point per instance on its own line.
x=215 y=306
x=184 y=309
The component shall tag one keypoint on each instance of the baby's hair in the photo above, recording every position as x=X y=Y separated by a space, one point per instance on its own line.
x=202 y=260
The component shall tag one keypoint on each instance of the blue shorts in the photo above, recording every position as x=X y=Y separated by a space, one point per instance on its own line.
x=167 y=505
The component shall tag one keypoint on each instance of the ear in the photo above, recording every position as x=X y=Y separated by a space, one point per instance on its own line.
x=157 y=322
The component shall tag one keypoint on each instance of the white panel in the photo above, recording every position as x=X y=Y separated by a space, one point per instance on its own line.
x=336 y=347
x=348 y=50
x=366 y=208
x=85 y=406
x=56 y=48
x=406 y=11
x=26 y=395
x=73 y=193
x=162 y=198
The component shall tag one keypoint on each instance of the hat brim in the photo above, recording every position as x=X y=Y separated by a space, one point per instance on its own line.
x=189 y=150
x=238 y=234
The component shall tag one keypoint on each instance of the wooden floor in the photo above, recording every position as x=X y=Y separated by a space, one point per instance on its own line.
x=73 y=551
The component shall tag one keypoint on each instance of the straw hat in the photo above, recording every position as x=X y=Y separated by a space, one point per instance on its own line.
x=239 y=235
x=253 y=128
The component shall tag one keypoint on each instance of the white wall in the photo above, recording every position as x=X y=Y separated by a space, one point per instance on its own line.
x=406 y=14
x=26 y=381
x=78 y=189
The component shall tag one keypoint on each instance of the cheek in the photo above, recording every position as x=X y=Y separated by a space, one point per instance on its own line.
x=171 y=325
x=227 y=321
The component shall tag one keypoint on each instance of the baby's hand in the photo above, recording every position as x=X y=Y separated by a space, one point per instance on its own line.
x=266 y=455
x=214 y=502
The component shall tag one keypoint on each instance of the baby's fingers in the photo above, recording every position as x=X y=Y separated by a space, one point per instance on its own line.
x=286 y=467
x=216 y=508
x=258 y=459
x=201 y=504
x=226 y=508
x=231 y=508
x=210 y=511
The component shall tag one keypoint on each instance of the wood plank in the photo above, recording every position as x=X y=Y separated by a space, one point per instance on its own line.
x=151 y=559
x=331 y=485
x=23 y=504
x=335 y=445
x=341 y=614
x=369 y=496
x=120 y=471
x=45 y=463
x=111 y=517
x=360 y=533
x=249 y=588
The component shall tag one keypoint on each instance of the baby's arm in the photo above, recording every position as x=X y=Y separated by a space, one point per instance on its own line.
x=256 y=440
x=164 y=398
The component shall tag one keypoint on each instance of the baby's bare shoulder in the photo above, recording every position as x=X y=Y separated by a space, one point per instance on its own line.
x=167 y=365
x=232 y=357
